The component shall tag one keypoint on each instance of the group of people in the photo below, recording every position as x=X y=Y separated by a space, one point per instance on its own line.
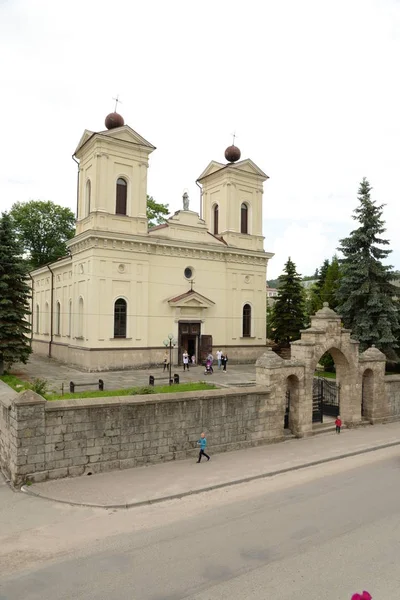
x=222 y=360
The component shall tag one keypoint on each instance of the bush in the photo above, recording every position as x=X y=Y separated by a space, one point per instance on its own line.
x=40 y=386
x=327 y=362
x=140 y=391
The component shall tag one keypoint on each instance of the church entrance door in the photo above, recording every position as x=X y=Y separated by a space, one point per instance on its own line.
x=189 y=339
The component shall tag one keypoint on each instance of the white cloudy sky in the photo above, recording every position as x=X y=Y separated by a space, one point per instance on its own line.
x=311 y=88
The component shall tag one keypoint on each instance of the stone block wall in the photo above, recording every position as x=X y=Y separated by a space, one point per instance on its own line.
x=7 y=432
x=74 y=437
x=392 y=388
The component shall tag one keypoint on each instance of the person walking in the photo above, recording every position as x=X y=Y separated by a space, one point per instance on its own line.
x=338 y=424
x=203 y=445
x=185 y=359
x=166 y=361
x=219 y=355
x=224 y=360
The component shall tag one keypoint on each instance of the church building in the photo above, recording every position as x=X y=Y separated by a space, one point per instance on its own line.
x=124 y=289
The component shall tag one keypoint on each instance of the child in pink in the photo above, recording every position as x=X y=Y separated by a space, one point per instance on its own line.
x=364 y=596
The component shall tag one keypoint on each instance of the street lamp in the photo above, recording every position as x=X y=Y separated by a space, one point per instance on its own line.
x=170 y=342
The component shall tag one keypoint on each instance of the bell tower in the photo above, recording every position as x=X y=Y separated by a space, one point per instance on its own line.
x=112 y=184
x=232 y=195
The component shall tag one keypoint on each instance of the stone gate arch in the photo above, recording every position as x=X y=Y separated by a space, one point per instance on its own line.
x=325 y=334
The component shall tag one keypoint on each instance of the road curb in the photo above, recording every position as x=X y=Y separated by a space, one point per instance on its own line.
x=216 y=486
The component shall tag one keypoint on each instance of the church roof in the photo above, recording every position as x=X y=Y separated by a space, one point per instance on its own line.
x=161 y=226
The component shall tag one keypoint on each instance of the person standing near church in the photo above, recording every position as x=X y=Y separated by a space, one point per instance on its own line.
x=166 y=360
x=185 y=360
x=219 y=354
x=224 y=360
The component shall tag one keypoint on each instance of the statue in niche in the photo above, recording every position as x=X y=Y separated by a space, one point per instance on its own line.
x=185 y=199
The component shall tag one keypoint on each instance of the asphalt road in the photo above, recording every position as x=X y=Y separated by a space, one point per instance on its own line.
x=324 y=533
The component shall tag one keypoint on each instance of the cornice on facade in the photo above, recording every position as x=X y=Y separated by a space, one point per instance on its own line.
x=153 y=245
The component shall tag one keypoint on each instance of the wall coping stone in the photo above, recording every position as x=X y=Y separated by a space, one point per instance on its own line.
x=391 y=378
x=28 y=397
x=146 y=399
x=6 y=392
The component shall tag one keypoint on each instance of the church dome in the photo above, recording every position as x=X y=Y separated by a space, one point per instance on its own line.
x=114 y=120
x=232 y=154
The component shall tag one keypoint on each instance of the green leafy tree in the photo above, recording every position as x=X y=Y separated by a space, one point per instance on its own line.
x=288 y=310
x=42 y=228
x=156 y=213
x=14 y=298
x=367 y=298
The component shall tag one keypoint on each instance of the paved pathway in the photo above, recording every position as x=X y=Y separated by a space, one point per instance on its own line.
x=175 y=479
x=58 y=373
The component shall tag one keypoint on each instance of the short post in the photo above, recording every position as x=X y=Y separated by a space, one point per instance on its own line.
x=62 y=389
x=71 y=387
x=151 y=380
x=101 y=385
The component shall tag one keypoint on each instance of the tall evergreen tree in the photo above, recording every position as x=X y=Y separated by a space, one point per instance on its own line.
x=288 y=310
x=366 y=295
x=316 y=301
x=14 y=296
x=331 y=284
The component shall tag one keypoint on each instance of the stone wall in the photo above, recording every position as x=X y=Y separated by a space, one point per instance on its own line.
x=74 y=437
x=7 y=439
x=392 y=388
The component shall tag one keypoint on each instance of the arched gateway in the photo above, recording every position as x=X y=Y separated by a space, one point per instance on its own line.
x=360 y=376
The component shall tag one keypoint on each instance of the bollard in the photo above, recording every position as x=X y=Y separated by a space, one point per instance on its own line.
x=101 y=385
x=71 y=387
x=151 y=380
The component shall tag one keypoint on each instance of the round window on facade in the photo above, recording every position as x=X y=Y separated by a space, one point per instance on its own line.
x=188 y=273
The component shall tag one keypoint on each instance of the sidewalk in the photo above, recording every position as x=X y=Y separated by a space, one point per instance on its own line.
x=165 y=481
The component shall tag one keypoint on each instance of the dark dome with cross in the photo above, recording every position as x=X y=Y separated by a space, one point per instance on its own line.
x=114 y=120
x=232 y=154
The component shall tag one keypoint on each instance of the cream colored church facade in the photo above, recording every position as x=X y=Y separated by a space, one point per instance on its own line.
x=124 y=288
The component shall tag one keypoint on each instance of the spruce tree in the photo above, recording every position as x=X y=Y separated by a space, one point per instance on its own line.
x=14 y=296
x=315 y=300
x=331 y=284
x=366 y=295
x=288 y=311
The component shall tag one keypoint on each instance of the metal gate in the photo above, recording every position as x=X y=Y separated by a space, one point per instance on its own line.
x=326 y=399
x=287 y=410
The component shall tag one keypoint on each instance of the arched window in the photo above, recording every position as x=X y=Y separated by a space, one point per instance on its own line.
x=58 y=318
x=244 y=218
x=215 y=219
x=120 y=205
x=70 y=318
x=120 y=318
x=88 y=197
x=37 y=318
x=246 y=320
x=80 y=318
